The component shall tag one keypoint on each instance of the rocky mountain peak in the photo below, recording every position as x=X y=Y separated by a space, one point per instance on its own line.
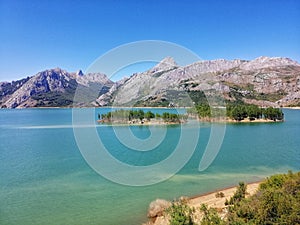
x=79 y=73
x=52 y=73
x=52 y=87
x=262 y=81
x=167 y=63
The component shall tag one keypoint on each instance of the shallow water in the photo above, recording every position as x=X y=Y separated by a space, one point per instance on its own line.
x=45 y=180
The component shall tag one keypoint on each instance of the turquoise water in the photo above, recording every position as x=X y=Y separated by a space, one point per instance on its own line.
x=45 y=180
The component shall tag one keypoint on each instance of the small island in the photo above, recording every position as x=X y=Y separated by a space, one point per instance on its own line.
x=139 y=117
x=232 y=113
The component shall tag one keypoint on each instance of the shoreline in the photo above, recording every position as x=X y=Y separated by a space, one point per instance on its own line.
x=210 y=199
x=224 y=189
x=254 y=121
x=145 y=123
x=219 y=202
x=155 y=123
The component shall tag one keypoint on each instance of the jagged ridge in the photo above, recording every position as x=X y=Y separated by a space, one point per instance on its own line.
x=263 y=81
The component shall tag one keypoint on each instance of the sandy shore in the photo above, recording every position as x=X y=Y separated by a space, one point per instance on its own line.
x=247 y=120
x=184 y=122
x=210 y=200
x=138 y=123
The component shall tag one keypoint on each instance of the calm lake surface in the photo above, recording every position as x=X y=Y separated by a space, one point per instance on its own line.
x=45 y=180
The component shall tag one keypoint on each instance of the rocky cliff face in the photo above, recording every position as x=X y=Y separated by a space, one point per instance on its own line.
x=263 y=81
x=54 y=87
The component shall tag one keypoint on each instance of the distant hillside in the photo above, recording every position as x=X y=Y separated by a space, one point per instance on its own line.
x=51 y=88
x=264 y=81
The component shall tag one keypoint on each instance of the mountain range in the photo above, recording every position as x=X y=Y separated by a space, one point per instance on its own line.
x=264 y=81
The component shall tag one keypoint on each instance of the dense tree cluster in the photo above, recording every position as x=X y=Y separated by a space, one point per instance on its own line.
x=201 y=110
x=273 y=113
x=180 y=213
x=132 y=115
x=238 y=112
x=172 y=117
x=276 y=202
x=125 y=115
x=210 y=216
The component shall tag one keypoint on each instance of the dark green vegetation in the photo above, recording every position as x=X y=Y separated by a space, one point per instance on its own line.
x=171 y=117
x=198 y=96
x=180 y=213
x=133 y=116
x=238 y=112
x=210 y=216
x=239 y=195
x=277 y=201
x=203 y=111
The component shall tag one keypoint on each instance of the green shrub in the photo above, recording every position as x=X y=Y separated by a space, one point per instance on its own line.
x=276 y=202
x=180 y=213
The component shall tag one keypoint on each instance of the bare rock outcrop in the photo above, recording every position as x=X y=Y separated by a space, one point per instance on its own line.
x=54 y=87
x=157 y=208
x=265 y=81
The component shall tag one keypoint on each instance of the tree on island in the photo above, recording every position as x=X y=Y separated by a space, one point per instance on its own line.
x=240 y=112
x=141 y=114
x=273 y=113
x=149 y=115
x=254 y=112
x=157 y=115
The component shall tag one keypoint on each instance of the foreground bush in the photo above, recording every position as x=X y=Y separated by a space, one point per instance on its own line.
x=277 y=201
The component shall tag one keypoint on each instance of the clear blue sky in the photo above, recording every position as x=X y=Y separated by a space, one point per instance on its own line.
x=71 y=34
